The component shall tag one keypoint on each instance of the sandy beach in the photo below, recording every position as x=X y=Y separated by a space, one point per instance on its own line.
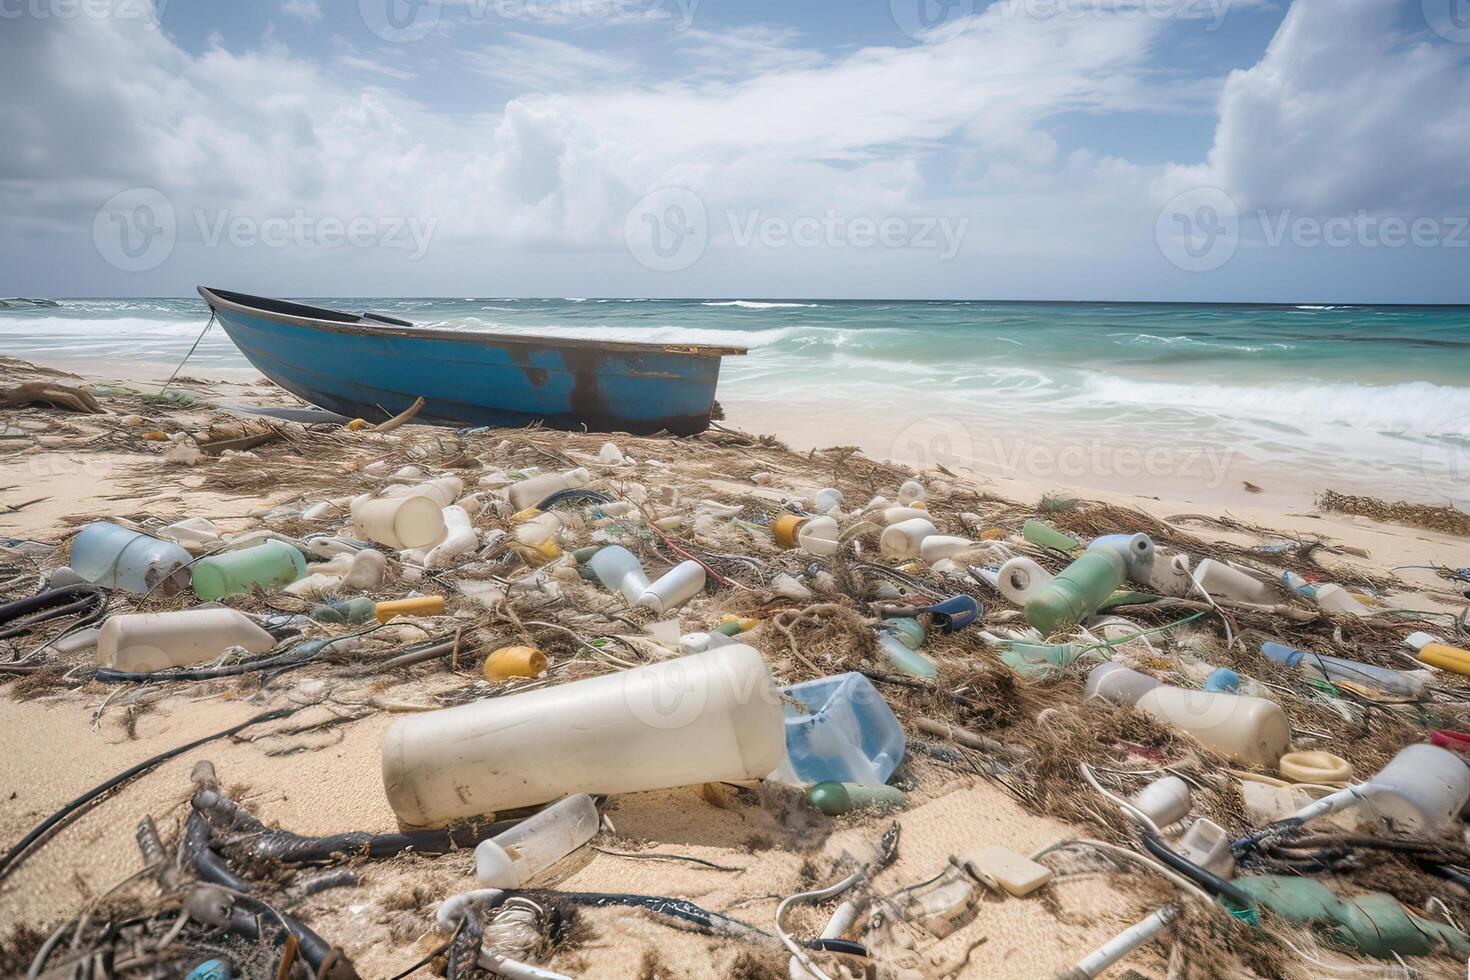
x=318 y=771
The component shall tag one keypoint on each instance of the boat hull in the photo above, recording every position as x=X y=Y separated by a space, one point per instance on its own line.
x=374 y=372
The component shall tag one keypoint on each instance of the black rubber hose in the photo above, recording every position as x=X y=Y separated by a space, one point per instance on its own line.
x=464 y=949
x=260 y=842
x=54 y=603
x=12 y=857
x=207 y=864
x=1211 y=883
x=248 y=913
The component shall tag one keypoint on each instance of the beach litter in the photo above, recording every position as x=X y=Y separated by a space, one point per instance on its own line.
x=1237 y=755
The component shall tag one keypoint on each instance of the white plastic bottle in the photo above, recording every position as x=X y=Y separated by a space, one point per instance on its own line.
x=529 y=493
x=401 y=523
x=145 y=642
x=1221 y=580
x=818 y=536
x=705 y=718
x=897 y=515
x=937 y=547
x=511 y=859
x=460 y=537
x=903 y=540
x=674 y=588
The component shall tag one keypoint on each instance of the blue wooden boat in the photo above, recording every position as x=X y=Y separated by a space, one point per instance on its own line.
x=373 y=367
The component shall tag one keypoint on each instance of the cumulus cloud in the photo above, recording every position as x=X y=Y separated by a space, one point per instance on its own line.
x=307 y=11
x=1345 y=112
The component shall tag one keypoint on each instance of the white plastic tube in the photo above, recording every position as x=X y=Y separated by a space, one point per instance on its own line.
x=156 y=641
x=511 y=859
x=706 y=718
x=401 y=523
x=674 y=588
x=902 y=540
x=529 y=493
x=1096 y=963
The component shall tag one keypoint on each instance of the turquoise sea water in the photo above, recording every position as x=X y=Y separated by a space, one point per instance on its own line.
x=1191 y=397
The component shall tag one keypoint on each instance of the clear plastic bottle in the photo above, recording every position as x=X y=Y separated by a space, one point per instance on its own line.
x=267 y=565
x=511 y=859
x=117 y=558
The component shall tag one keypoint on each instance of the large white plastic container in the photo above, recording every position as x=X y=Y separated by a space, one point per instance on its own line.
x=117 y=558
x=529 y=493
x=1247 y=729
x=511 y=859
x=146 y=642
x=904 y=539
x=1421 y=791
x=401 y=523
x=704 y=718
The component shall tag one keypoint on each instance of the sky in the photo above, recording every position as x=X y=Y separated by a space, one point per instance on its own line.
x=1174 y=150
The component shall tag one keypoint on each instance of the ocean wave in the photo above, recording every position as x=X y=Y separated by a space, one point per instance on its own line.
x=104 y=329
x=1152 y=340
x=750 y=304
x=1414 y=408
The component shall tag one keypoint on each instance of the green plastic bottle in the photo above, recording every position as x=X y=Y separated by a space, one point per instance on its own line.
x=1043 y=534
x=268 y=565
x=833 y=798
x=1374 y=924
x=904 y=659
x=1078 y=592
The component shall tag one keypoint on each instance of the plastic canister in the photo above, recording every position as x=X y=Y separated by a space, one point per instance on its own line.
x=842 y=731
x=269 y=564
x=784 y=529
x=146 y=642
x=1422 y=789
x=903 y=540
x=514 y=662
x=114 y=557
x=704 y=718
x=1077 y=592
x=511 y=859
x=401 y=523
x=1221 y=580
x=1237 y=726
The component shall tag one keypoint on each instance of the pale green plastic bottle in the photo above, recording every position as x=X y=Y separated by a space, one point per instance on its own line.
x=267 y=565
x=1078 y=592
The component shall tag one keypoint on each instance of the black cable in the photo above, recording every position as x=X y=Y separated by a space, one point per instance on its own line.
x=297 y=656
x=54 y=603
x=12 y=857
x=1210 y=882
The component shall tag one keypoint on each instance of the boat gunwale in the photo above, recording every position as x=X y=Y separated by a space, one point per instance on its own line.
x=217 y=301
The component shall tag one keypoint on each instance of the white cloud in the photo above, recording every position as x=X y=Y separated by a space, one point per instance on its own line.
x=529 y=63
x=1344 y=113
x=308 y=11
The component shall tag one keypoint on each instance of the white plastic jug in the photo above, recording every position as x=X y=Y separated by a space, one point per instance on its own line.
x=902 y=540
x=401 y=523
x=117 y=558
x=1421 y=790
x=511 y=859
x=145 y=642
x=705 y=718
